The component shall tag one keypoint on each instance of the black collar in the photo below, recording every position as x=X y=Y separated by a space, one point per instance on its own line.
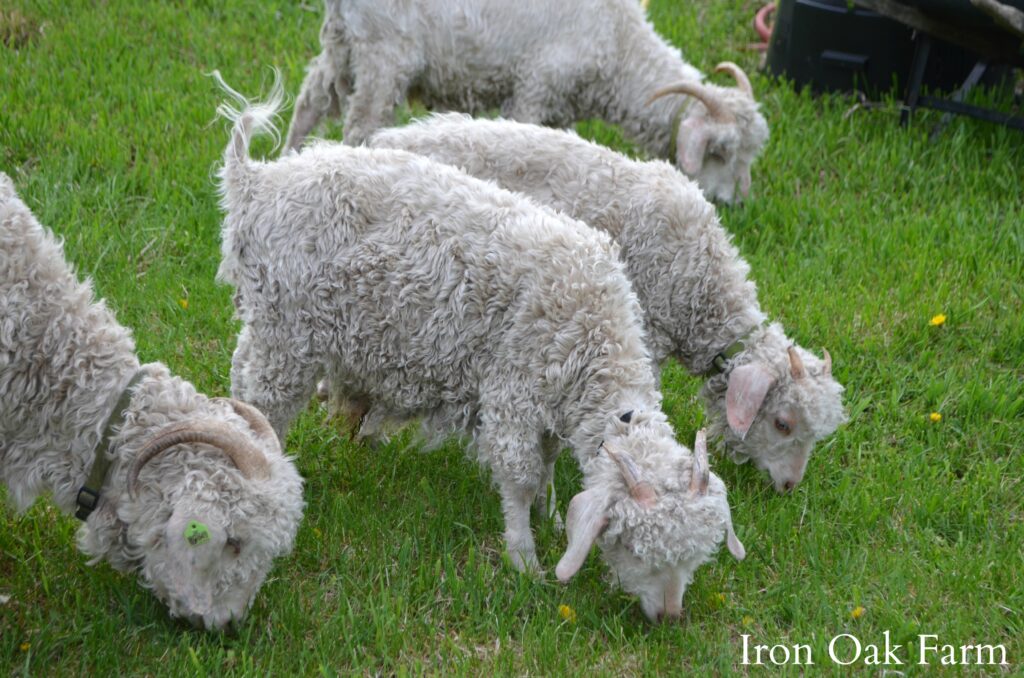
x=89 y=496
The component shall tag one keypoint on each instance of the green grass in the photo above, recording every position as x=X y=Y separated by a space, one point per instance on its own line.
x=859 y=232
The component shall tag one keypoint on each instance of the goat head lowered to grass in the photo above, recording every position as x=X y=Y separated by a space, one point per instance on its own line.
x=654 y=540
x=192 y=493
x=552 y=63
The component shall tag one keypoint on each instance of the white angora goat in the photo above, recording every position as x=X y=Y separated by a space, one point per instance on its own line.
x=550 y=63
x=192 y=493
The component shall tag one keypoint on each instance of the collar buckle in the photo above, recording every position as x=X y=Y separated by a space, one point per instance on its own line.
x=88 y=499
x=720 y=363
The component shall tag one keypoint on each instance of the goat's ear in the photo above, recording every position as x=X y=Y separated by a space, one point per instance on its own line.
x=734 y=544
x=584 y=521
x=748 y=385
x=693 y=143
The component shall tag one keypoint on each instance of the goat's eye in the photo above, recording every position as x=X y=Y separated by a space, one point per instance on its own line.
x=782 y=426
x=235 y=544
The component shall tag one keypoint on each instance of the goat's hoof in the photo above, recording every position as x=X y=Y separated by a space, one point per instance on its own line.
x=527 y=564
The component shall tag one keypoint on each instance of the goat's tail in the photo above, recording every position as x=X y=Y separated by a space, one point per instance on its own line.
x=250 y=119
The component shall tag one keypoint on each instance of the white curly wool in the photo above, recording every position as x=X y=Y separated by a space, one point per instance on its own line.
x=439 y=296
x=551 y=63
x=64 y=361
x=690 y=279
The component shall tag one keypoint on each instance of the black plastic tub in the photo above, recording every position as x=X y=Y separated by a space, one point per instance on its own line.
x=830 y=46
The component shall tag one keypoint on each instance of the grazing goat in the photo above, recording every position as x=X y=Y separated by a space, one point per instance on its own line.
x=550 y=63
x=767 y=398
x=193 y=493
x=439 y=296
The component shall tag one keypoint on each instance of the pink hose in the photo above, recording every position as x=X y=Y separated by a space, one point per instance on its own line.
x=762 y=27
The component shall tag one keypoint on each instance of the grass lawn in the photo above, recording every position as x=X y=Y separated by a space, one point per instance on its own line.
x=859 y=232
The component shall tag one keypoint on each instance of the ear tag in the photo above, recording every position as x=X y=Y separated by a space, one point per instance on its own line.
x=196 y=533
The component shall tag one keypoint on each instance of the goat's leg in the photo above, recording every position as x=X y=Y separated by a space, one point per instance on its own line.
x=326 y=86
x=539 y=99
x=545 y=501
x=272 y=378
x=347 y=413
x=381 y=81
x=515 y=504
x=510 y=444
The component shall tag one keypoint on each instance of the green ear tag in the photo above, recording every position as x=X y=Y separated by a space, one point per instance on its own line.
x=196 y=533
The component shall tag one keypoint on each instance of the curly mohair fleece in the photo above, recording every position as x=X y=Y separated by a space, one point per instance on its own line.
x=549 y=63
x=690 y=279
x=64 y=361
x=440 y=296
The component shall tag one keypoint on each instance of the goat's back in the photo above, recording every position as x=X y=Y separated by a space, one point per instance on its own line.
x=411 y=272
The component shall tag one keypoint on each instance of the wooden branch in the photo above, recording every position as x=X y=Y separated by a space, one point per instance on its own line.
x=1006 y=16
x=991 y=44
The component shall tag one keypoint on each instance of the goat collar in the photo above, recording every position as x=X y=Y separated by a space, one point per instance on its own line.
x=720 y=364
x=89 y=495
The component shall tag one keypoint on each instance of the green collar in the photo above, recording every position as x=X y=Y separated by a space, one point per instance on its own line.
x=720 y=363
x=721 y=360
x=89 y=496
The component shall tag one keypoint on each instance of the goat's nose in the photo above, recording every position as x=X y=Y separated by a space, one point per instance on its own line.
x=788 y=485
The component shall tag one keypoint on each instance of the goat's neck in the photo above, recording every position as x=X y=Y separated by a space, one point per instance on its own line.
x=714 y=336
x=697 y=319
x=105 y=391
x=51 y=439
x=645 y=64
x=604 y=400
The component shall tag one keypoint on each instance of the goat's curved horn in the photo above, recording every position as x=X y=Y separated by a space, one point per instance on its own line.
x=827 y=368
x=249 y=460
x=716 y=108
x=256 y=420
x=742 y=81
x=641 y=490
x=796 y=365
x=700 y=476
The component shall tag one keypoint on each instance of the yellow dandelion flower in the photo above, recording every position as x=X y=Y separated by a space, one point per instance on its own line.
x=935 y=417
x=183 y=303
x=317 y=533
x=567 y=613
x=721 y=598
x=937 y=320
x=857 y=612
x=24 y=647
x=748 y=620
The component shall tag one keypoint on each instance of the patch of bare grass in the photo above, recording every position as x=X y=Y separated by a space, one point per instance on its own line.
x=18 y=30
